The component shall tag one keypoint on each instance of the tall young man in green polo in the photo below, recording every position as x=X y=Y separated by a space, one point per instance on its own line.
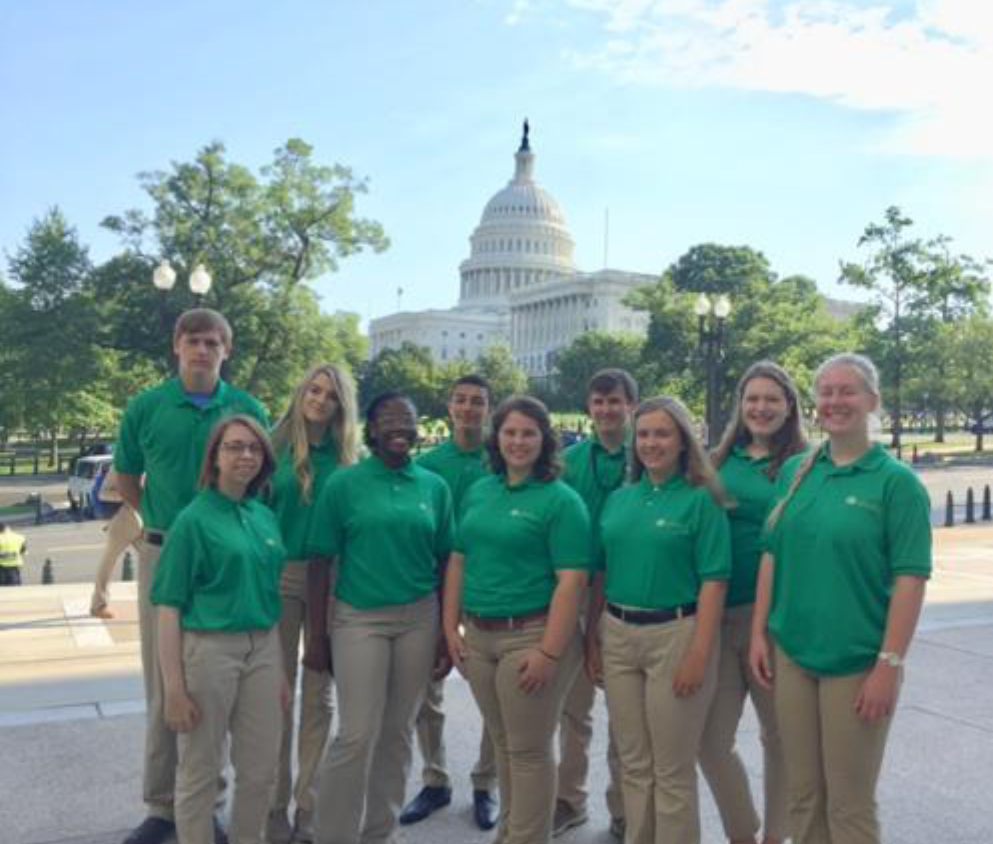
x=460 y=461
x=162 y=436
x=594 y=468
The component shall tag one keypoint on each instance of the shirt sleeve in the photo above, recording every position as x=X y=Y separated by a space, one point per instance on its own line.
x=129 y=459
x=326 y=535
x=569 y=534
x=907 y=514
x=174 y=576
x=712 y=545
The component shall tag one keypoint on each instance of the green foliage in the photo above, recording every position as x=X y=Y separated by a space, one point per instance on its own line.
x=409 y=369
x=589 y=353
x=970 y=344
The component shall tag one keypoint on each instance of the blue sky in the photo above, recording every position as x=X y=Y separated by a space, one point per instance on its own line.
x=786 y=126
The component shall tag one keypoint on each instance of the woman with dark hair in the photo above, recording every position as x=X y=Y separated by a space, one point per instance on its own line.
x=840 y=587
x=515 y=580
x=217 y=591
x=763 y=433
x=667 y=554
x=317 y=434
x=386 y=524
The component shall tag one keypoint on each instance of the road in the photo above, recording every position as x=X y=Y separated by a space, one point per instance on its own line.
x=74 y=547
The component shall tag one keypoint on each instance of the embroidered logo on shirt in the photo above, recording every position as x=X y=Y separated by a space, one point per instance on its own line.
x=855 y=501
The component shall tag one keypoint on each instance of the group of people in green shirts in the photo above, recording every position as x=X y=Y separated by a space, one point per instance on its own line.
x=679 y=581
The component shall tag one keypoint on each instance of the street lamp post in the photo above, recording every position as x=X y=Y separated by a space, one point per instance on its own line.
x=164 y=277
x=712 y=314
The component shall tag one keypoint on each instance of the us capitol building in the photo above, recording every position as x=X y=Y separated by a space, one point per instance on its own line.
x=519 y=287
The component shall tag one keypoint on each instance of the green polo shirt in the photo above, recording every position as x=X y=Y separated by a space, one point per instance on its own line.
x=286 y=499
x=514 y=539
x=594 y=473
x=846 y=532
x=162 y=436
x=387 y=527
x=660 y=542
x=460 y=469
x=745 y=479
x=220 y=565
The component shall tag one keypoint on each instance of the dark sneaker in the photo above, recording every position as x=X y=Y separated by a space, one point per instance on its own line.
x=484 y=809
x=151 y=831
x=565 y=818
x=220 y=836
x=430 y=799
x=277 y=827
x=617 y=828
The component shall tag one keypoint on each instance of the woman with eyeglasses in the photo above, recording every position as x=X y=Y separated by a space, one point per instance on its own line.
x=385 y=524
x=654 y=631
x=518 y=574
x=317 y=434
x=217 y=592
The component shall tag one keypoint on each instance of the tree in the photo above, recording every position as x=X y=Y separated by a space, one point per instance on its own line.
x=412 y=371
x=587 y=354
x=714 y=269
x=972 y=367
x=262 y=238
x=49 y=326
x=894 y=273
x=504 y=376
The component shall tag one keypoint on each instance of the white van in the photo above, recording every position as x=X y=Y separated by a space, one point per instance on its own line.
x=84 y=473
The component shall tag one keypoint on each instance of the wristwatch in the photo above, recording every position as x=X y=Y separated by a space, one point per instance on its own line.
x=891 y=658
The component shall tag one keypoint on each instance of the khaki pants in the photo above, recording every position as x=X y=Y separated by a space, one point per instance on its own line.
x=522 y=726
x=832 y=756
x=658 y=734
x=721 y=765
x=383 y=660
x=235 y=681
x=160 y=741
x=575 y=733
x=315 y=697
x=431 y=742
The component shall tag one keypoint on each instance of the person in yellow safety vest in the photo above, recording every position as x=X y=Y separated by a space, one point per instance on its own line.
x=12 y=548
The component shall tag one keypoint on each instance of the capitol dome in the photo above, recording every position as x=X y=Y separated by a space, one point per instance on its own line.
x=521 y=241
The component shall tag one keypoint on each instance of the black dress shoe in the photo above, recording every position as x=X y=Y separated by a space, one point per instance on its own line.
x=220 y=836
x=429 y=799
x=484 y=809
x=151 y=831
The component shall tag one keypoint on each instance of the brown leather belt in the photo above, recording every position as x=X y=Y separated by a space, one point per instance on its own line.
x=506 y=622
x=154 y=537
x=651 y=616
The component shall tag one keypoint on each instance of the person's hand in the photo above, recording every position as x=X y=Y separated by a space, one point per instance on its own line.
x=535 y=671
x=876 y=698
x=760 y=660
x=442 y=660
x=317 y=652
x=457 y=649
x=181 y=713
x=689 y=676
x=594 y=660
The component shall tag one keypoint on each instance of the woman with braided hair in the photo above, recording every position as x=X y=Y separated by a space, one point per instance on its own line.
x=840 y=587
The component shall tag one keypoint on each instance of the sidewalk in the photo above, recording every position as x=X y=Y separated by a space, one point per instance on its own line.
x=71 y=721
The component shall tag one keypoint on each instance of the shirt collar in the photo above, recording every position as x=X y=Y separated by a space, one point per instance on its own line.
x=380 y=468
x=871 y=460
x=741 y=451
x=529 y=483
x=596 y=445
x=674 y=481
x=179 y=397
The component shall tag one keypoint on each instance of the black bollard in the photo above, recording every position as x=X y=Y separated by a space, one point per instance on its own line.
x=127 y=567
x=36 y=462
x=949 y=510
x=987 y=515
x=47 y=573
x=970 y=507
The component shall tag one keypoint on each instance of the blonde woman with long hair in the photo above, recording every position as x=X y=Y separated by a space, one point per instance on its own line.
x=666 y=550
x=840 y=588
x=317 y=434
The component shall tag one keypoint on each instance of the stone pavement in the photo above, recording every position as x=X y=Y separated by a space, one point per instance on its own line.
x=71 y=721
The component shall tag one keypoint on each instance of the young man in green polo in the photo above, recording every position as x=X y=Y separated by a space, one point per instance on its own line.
x=594 y=468
x=162 y=437
x=460 y=461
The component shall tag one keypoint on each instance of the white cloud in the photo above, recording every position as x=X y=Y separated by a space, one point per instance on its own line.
x=929 y=62
x=518 y=10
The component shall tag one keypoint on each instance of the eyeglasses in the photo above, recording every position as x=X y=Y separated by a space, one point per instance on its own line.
x=236 y=447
